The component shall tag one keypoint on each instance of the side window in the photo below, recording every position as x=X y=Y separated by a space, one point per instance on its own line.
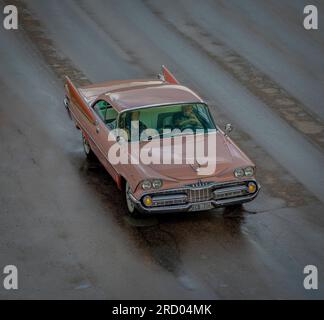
x=100 y=108
x=106 y=112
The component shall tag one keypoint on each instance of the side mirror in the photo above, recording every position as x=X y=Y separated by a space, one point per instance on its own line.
x=228 y=129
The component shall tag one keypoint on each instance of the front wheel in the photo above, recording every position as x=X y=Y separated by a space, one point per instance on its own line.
x=130 y=207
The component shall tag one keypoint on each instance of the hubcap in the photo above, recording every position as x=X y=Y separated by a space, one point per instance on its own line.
x=130 y=204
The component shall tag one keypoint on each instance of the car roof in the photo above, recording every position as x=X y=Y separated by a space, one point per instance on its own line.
x=131 y=94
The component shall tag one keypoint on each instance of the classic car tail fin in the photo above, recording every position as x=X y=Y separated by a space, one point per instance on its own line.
x=78 y=100
x=168 y=76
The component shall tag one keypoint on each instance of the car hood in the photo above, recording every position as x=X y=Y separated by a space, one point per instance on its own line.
x=223 y=158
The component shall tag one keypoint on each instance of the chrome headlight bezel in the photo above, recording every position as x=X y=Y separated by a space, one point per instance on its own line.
x=239 y=173
x=149 y=184
x=146 y=184
x=157 y=184
x=249 y=171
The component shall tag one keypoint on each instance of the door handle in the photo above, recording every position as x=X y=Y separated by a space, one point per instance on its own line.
x=97 y=129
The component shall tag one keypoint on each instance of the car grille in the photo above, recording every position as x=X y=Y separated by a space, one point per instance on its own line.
x=198 y=195
x=204 y=191
x=200 y=191
x=224 y=193
x=169 y=200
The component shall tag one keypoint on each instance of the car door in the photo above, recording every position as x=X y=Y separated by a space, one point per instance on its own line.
x=106 y=122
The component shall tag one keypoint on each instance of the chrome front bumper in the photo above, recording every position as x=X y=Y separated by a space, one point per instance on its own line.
x=207 y=197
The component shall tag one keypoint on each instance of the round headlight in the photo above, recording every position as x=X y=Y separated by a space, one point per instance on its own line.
x=239 y=173
x=249 y=171
x=146 y=184
x=157 y=184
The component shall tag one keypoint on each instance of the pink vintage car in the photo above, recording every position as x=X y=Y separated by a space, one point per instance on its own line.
x=142 y=132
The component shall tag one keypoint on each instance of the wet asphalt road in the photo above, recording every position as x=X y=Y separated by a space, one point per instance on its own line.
x=61 y=222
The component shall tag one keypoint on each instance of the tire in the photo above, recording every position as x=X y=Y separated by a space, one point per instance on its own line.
x=129 y=206
x=87 y=149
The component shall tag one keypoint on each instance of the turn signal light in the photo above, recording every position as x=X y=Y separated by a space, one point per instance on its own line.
x=147 y=201
x=252 y=187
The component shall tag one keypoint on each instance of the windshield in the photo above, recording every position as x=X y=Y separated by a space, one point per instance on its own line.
x=164 y=121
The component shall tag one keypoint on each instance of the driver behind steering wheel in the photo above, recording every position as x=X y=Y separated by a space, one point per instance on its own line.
x=186 y=118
